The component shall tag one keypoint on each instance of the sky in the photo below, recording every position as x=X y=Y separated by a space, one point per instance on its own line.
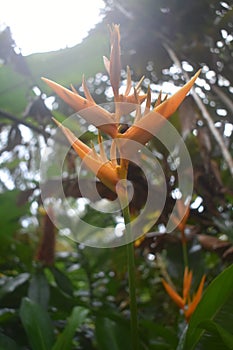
x=47 y=25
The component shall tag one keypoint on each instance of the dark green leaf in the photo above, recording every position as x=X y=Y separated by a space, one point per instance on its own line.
x=154 y=331
x=37 y=325
x=7 y=343
x=62 y=281
x=218 y=293
x=112 y=335
x=64 y=340
x=213 y=327
x=39 y=289
x=12 y=283
x=10 y=213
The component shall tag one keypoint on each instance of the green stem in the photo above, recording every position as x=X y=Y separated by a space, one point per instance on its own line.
x=184 y=249
x=132 y=280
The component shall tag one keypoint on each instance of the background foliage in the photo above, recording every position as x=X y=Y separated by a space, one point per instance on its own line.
x=77 y=298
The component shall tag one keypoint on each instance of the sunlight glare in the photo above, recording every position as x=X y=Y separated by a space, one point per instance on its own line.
x=41 y=26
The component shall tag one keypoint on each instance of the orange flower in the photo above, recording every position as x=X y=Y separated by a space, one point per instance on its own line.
x=145 y=125
x=185 y=302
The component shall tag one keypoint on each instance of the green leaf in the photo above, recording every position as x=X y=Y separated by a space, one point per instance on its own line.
x=6 y=314
x=11 y=283
x=39 y=289
x=7 y=343
x=213 y=327
x=63 y=66
x=181 y=343
x=62 y=281
x=77 y=317
x=218 y=294
x=10 y=213
x=112 y=335
x=37 y=325
x=153 y=331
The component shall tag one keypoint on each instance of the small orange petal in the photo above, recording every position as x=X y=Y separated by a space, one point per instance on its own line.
x=188 y=275
x=81 y=148
x=73 y=99
x=183 y=214
x=115 y=60
x=128 y=103
x=106 y=64
x=192 y=306
x=173 y=294
x=133 y=99
x=169 y=106
x=146 y=127
x=129 y=82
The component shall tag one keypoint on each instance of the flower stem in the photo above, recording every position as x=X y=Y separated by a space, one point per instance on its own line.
x=184 y=248
x=132 y=281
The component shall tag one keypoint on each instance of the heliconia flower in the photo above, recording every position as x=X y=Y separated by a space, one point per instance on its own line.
x=108 y=171
x=185 y=302
x=146 y=124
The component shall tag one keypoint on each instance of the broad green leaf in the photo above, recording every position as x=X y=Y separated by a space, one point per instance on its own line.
x=216 y=296
x=213 y=327
x=7 y=343
x=62 y=281
x=77 y=317
x=37 y=325
x=39 y=289
x=112 y=335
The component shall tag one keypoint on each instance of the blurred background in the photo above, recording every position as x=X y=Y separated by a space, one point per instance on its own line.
x=167 y=42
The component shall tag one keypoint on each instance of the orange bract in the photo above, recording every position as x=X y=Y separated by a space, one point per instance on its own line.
x=139 y=131
x=185 y=302
x=96 y=115
x=107 y=171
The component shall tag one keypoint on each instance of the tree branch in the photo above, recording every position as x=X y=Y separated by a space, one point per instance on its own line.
x=225 y=99
x=25 y=123
x=205 y=114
